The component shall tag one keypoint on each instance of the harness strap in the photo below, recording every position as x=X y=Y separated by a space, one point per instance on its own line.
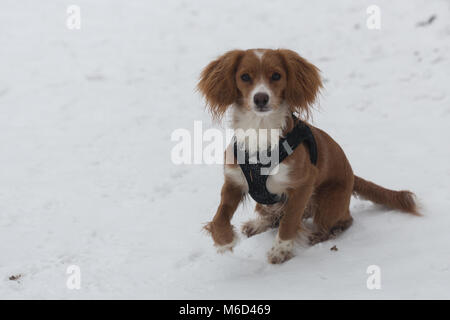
x=252 y=168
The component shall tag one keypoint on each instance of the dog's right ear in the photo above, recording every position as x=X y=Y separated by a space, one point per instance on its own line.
x=218 y=84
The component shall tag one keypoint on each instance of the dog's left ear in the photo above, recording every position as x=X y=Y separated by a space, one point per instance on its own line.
x=218 y=84
x=303 y=81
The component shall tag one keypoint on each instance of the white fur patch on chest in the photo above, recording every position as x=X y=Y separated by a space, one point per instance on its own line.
x=236 y=176
x=259 y=133
x=278 y=182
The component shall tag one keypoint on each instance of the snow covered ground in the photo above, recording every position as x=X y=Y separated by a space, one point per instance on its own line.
x=86 y=176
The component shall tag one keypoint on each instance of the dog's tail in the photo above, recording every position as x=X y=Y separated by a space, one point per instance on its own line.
x=399 y=200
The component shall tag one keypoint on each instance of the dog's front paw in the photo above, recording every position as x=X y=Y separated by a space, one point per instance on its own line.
x=318 y=237
x=229 y=246
x=224 y=236
x=281 y=251
x=253 y=227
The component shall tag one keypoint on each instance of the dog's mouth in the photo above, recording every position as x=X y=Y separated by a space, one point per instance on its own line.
x=262 y=110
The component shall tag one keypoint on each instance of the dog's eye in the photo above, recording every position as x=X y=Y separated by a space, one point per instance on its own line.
x=276 y=76
x=245 y=77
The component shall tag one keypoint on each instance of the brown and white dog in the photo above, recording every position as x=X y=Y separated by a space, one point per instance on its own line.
x=263 y=88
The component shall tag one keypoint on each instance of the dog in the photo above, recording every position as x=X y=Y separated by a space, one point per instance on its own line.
x=262 y=89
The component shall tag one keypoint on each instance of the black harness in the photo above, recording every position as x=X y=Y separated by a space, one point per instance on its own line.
x=252 y=166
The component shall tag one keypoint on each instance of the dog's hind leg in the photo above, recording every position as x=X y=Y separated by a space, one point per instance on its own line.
x=268 y=217
x=332 y=215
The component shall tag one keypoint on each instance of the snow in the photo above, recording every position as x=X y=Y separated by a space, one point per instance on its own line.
x=87 y=179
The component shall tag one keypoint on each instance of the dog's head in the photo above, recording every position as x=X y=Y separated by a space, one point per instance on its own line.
x=260 y=80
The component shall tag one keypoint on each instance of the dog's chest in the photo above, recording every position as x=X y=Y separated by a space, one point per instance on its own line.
x=277 y=182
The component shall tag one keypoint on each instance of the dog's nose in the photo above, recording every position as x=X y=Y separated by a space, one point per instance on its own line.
x=261 y=99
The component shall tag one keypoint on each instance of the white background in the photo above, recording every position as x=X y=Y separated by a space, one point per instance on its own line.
x=86 y=176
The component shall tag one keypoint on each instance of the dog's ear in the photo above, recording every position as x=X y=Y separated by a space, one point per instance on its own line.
x=303 y=81
x=218 y=84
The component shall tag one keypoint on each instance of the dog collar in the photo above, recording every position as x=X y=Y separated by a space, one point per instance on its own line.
x=301 y=133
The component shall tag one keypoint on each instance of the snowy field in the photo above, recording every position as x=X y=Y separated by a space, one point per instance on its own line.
x=86 y=176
